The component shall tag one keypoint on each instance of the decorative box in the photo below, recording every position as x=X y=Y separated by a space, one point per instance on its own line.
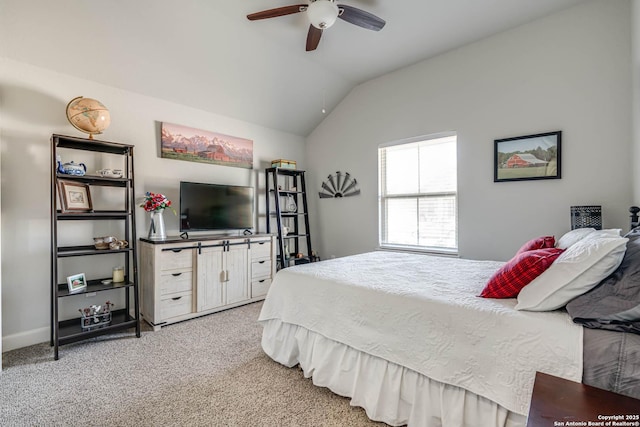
x=282 y=163
x=96 y=316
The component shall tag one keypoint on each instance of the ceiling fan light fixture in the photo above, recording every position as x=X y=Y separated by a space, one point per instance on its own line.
x=322 y=13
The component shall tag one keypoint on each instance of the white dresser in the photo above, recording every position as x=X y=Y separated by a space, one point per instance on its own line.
x=186 y=278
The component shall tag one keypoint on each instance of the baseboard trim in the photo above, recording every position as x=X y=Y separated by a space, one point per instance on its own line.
x=25 y=339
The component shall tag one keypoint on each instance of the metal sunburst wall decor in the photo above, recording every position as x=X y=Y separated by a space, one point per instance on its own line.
x=339 y=185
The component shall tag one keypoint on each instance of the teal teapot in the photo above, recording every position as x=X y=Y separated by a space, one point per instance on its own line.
x=71 y=168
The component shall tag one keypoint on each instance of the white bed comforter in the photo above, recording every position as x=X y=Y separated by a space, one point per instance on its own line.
x=422 y=312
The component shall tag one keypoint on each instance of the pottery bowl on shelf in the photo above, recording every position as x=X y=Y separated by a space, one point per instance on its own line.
x=103 y=242
x=110 y=173
x=118 y=244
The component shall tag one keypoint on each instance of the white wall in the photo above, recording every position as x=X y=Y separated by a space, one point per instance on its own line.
x=33 y=108
x=569 y=72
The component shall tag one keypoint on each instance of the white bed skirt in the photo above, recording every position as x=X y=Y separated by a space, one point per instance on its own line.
x=388 y=392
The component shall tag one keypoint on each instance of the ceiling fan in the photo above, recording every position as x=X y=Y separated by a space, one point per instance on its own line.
x=322 y=14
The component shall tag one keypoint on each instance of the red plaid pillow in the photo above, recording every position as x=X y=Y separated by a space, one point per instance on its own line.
x=508 y=281
x=539 y=243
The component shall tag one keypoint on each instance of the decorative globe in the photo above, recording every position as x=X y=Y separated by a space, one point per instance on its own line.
x=88 y=115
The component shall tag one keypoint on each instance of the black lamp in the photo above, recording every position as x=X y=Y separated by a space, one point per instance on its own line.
x=586 y=216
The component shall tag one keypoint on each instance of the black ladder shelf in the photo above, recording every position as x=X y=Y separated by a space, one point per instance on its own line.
x=288 y=184
x=66 y=331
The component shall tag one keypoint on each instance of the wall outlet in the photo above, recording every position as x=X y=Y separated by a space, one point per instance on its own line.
x=91 y=294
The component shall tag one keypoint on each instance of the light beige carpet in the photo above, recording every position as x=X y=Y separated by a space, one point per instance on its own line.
x=209 y=371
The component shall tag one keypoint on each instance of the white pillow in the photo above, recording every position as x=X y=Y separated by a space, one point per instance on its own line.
x=609 y=232
x=577 y=270
x=574 y=236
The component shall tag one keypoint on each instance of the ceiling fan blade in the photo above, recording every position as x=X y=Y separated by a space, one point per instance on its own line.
x=360 y=18
x=313 y=38
x=279 y=11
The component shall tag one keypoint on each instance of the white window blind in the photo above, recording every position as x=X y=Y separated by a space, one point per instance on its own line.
x=418 y=194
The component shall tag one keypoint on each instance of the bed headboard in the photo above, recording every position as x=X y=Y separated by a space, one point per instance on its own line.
x=634 y=216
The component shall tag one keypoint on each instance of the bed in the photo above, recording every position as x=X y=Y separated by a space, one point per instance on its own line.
x=407 y=337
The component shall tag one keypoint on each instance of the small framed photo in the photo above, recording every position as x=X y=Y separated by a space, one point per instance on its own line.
x=74 y=196
x=527 y=157
x=77 y=283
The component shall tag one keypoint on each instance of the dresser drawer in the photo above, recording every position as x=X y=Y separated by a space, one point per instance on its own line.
x=171 y=283
x=261 y=249
x=176 y=258
x=176 y=305
x=260 y=287
x=261 y=268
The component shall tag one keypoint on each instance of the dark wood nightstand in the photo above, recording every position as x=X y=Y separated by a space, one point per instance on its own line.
x=560 y=403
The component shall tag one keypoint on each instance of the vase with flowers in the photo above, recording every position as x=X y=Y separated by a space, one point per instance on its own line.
x=156 y=203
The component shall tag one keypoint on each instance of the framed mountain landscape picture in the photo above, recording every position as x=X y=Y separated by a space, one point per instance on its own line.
x=184 y=143
x=527 y=157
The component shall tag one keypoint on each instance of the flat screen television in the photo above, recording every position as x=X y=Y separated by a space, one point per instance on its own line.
x=205 y=207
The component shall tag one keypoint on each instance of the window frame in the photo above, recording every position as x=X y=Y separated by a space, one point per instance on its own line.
x=417 y=197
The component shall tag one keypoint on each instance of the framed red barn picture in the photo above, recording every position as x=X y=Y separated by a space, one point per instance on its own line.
x=528 y=157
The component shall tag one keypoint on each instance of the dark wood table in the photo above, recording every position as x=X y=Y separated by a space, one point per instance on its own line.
x=561 y=403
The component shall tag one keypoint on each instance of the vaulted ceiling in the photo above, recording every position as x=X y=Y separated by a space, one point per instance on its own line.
x=206 y=54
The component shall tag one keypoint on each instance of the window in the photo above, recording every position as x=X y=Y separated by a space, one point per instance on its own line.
x=418 y=194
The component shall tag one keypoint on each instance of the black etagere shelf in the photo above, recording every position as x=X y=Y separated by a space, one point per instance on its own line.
x=68 y=251
x=93 y=286
x=95 y=179
x=285 y=183
x=65 y=331
x=70 y=331
x=92 y=215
